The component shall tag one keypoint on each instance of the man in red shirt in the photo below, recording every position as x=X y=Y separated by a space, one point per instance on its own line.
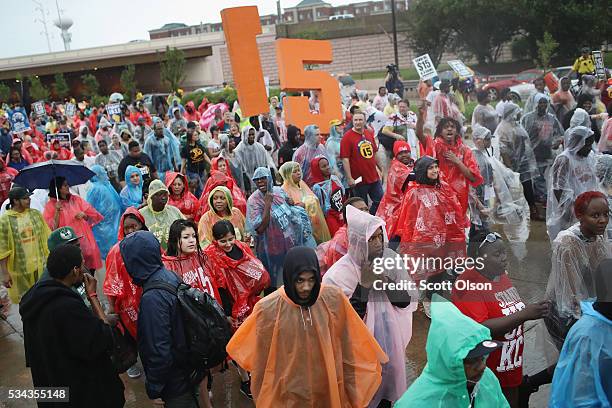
x=499 y=308
x=358 y=154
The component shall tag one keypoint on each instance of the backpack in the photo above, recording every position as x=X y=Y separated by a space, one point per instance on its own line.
x=207 y=330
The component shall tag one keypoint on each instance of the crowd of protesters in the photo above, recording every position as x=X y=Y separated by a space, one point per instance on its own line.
x=283 y=227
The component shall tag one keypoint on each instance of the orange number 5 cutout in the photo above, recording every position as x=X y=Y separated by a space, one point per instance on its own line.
x=291 y=55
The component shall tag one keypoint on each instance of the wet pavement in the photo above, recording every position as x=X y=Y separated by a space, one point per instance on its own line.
x=529 y=269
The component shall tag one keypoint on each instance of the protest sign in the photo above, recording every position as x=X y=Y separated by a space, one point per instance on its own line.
x=114 y=112
x=19 y=120
x=70 y=110
x=63 y=138
x=425 y=67
x=600 y=68
x=39 y=108
x=460 y=68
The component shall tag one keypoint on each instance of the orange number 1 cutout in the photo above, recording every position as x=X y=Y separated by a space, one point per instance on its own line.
x=241 y=26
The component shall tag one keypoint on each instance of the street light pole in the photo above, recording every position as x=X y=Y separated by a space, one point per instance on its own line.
x=394 y=33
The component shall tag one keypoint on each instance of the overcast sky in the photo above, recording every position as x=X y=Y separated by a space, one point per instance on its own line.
x=106 y=22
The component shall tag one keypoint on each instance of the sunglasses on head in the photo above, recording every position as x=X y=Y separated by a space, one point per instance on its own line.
x=490 y=238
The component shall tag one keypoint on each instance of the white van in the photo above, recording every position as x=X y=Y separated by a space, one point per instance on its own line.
x=341 y=17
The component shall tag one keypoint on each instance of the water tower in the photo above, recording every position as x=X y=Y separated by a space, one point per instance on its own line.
x=64 y=23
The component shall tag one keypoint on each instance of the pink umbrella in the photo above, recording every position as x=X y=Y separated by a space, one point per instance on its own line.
x=209 y=114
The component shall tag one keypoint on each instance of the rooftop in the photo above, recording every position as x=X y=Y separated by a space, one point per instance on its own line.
x=310 y=3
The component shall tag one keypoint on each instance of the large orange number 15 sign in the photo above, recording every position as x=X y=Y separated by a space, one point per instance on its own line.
x=241 y=26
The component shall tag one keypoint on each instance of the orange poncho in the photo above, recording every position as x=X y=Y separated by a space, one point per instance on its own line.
x=332 y=361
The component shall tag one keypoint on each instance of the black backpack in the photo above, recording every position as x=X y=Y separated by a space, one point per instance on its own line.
x=207 y=330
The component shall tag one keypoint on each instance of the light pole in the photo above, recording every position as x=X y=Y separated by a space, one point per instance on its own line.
x=394 y=34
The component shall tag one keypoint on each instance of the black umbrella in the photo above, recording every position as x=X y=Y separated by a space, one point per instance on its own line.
x=39 y=175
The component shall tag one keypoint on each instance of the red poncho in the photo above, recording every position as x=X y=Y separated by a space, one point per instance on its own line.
x=6 y=178
x=62 y=153
x=118 y=283
x=244 y=279
x=70 y=208
x=194 y=115
x=214 y=165
x=391 y=202
x=331 y=251
x=187 y=203
x=220 y=179
x=135 y=115
x=431 y=223
x=195 y=271
x=451 y=173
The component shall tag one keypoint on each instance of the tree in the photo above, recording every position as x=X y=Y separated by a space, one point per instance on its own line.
x=428 y=28
x=584 y=23
x=5 y=92
x=61 y=86
x=546 y=49
x=128 y=81
x=90 y=85
x=38 y=91
x=483 y=27
x=172 y=68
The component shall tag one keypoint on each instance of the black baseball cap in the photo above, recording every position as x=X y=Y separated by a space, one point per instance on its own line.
x=484 y=348
x=18 y=193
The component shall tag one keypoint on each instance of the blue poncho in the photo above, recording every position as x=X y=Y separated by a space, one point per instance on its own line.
x=103 y=197
x=583 y=376
x=289 y=226
x=163 y=152
x=131 y=195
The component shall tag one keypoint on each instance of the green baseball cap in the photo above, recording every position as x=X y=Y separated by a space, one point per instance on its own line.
x=62 y=235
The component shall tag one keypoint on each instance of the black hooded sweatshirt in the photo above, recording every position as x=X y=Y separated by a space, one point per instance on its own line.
x=298 y=260
x=67 y=346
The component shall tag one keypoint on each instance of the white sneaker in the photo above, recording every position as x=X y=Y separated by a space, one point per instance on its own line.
x=134 y=372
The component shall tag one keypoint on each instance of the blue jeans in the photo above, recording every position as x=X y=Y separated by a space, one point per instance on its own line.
x=374 y=190
x=539 y=183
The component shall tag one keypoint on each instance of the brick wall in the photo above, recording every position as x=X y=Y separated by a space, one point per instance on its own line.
x=355 y=54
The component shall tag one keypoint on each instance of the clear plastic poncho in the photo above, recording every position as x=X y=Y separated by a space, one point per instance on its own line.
x=514 y=144
x=501 y=193
x=332 y=146
x=574 y=259
x=390 y=325
x=252 y=156
x=289 y=226
x=159 y=222
x=603 y=171
x=308 y=151
x=103 y=197
x=544 y=132
x=572 y=175
x=163 y=152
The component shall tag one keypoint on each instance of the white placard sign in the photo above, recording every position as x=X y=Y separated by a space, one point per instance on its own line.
x=600 y=68
x=70 y=110
x=425 y=67
x=39 y=108
x=114 y=112
x=459 y=67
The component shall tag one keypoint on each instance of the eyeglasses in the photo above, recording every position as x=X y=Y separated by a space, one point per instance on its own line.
x=490 y=238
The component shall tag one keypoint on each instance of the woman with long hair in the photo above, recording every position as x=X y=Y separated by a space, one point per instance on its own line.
x=69 y=210
x=301 y=195
x=186 y=258
x=221 y=208
x=241 y=278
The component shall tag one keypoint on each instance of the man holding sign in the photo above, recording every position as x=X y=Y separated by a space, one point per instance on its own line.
x=358 y=153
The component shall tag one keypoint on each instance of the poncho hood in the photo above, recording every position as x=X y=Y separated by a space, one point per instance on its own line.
x=228 y=197
x=141 y=255
x=133 y=212
x=170 y=177
x=298 y=260
x=361 y=226
x=420 y=170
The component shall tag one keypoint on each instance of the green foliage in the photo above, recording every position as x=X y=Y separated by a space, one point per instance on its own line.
x=37 y=90
x=520 y=48
x=61 y=86
x=96 y=100
x=5 y=92
x=310 y=34
x=228 y=94
x=429 y=28
x=128 y=81
x=172 y=68
x=546 y=50
x=90 y=85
